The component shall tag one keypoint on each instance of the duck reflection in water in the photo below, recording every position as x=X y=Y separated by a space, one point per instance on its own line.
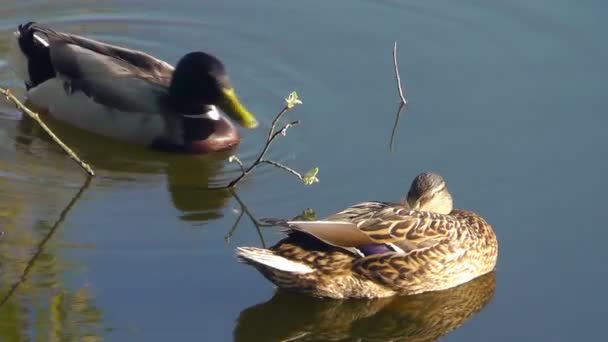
x=424 y=317
x=187 y=176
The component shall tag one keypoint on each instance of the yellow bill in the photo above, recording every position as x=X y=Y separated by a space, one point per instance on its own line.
x=233 y=107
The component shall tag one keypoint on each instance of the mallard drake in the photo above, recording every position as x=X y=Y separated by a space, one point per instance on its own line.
x=127 y=94
x=380 y=249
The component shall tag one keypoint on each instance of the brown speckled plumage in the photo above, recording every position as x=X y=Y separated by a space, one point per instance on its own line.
x=378 y=249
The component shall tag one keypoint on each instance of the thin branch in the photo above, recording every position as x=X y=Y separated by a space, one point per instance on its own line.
x=42 y=243
x=397 y=76
x=36 y=117
x=273 y=133
x=271 y=137
x=283 y=131
x=269 y=141
x=402 y=101
x=275 y=121
x=238 y=161
x=284 y=167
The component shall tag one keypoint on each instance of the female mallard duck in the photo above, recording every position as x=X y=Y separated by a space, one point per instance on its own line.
x=129 y=95
x=379 y=249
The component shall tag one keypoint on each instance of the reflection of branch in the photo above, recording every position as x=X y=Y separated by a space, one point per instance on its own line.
x=245 y=210
x=36 y=117
x=233 y=228
x=402 y=101
x=42 y=243
x=306 y=215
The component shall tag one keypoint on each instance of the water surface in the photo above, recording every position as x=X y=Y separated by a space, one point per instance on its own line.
x=506 y=102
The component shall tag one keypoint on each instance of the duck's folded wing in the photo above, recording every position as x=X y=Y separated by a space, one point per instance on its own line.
x=403 y=230
x=402 y=270
x=115 y=77
x=148 y=63
x=396 y=224
x=359 y=211
x=108 y=81
x=338 y=234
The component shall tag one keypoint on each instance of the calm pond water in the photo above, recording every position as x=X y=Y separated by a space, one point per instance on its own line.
x=507 y=102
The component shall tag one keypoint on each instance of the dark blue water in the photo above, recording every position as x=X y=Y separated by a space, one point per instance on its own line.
x=506 y=101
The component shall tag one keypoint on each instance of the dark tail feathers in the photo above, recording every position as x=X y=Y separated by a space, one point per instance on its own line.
x=38 y=56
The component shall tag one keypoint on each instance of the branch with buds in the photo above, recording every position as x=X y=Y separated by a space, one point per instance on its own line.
x=308 y=178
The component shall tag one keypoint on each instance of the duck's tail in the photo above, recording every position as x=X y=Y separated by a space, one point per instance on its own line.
x=265 y=260
x=29 y=55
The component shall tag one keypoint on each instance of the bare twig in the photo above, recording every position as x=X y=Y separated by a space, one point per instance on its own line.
x=397 y=76
x=238 y=161
x=284 y=167
x=283 y=131
x=402 y=101
x=275 y=121
x=36 y=117
x=42 y=243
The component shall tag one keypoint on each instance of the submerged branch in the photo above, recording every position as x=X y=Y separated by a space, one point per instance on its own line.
x=402 y=101
x=36 y=117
